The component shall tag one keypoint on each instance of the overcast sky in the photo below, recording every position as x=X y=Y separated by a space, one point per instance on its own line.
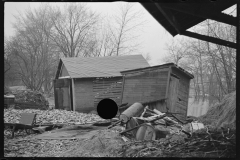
x=154 y=36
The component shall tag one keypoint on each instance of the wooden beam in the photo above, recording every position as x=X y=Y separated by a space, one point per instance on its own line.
x=123 y=83
x=73 y=95
x=170 y=17
x=209 y=39
x=238 y=45
x=221 y=17
x=168 y=81
x=55 y=95
x=58 y=69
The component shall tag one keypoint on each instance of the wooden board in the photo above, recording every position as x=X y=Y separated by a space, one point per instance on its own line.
x=160 y=106
x=183 y=93
x=144 y=86
x=107 y=88
x=151 y=69
x=172 y=93
x=58 y=83
x=84 y=97
x=63 y=99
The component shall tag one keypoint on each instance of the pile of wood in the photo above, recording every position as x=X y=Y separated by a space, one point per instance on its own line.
x=30 y=98
x=142 y=123
x=207 y=142
x=215 y=137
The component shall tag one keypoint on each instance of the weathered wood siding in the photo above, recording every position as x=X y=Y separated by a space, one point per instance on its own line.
x=84 y=97
x=90 y=91
x=173 y=94
x=107 y=88
x=152 y=84
x=183 y=93
x=145 y=85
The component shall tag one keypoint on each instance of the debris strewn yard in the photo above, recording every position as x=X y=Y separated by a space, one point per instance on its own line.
x=87 y=135
x=59 y=65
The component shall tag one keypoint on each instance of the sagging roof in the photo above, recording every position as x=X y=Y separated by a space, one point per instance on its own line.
x=160 y=66
x=110 y=66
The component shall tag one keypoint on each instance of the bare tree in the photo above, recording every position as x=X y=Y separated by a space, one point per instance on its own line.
x=32 y=50
x=177 y=51
x=7 y=64
x=9 y=76
x=113 y=36
x=224 y=55
x=122 y=31
x=103 y=45
x=73 y=29
x=213 y=66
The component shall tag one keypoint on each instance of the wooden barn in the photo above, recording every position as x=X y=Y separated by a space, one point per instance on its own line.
x=80 y=83
x=160 y=87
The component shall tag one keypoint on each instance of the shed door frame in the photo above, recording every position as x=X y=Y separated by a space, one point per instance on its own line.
x=63 y=83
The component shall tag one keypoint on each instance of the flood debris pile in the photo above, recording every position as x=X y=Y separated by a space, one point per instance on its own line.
x=163 y=135
x=202 y=143
x=138 y=131
x=142 y=123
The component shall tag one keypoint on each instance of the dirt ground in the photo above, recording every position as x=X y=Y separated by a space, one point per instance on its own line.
x=96 y=143
x=104 y=143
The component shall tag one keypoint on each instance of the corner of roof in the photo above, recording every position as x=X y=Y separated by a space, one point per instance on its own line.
x=184 y=71
x=58 y=68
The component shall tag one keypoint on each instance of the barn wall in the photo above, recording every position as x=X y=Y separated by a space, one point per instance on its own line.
x=64 y=71
x=108 y=87
x=89 y=91
x=183 y=93
x=84 y=97
x=144 y=86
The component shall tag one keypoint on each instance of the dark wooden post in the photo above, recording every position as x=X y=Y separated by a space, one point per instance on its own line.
x=55 y=94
